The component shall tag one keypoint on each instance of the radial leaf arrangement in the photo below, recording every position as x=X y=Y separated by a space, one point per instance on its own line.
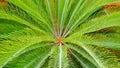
x=58 y=34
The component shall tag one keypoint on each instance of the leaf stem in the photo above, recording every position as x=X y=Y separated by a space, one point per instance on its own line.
x=60 y=55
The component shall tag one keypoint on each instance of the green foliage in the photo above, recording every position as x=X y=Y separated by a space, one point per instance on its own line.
x=59 y=34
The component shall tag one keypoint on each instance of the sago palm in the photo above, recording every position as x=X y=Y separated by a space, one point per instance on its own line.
x=58 y=34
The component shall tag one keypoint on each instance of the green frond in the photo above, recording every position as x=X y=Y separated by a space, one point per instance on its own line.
x=83 y=10
x=84 y=62
x=54 y=58
x=101 y=56
x=13 y=44
x=109 y=40
x=25 y=5
x=59 y=34
x=73 y=63
x=100 y=23
x=82 y=52
x=24 y=60
x=63 y=10
x=6 y=26
x=65 y=61
x=13 y=9
x=40 y=63
x=17 y=19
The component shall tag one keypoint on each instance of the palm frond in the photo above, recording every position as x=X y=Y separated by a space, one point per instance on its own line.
x=110 y=40
x=99 y=55
x=88 y=7
x=12 y=17
x=24 y=60
x=81 y=52
x=84 y=62
x=58 y=34
x=14 y=43
x=100 y=23
x=6 y=26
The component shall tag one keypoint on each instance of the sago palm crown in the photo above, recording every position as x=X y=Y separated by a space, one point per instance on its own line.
x=59 y=34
